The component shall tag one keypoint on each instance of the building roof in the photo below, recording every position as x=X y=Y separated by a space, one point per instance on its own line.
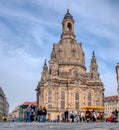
x=30 y=103
x=111 y=98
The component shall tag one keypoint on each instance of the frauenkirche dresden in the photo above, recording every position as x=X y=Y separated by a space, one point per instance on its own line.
x=64 y=83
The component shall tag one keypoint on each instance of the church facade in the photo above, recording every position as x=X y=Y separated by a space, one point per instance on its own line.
x=64 y=83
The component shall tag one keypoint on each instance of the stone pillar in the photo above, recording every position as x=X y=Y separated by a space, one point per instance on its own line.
x=117 y=72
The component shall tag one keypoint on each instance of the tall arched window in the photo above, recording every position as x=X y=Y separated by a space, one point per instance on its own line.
x=91 y=75
x=49 y=99
x=69 y=27
x=77 y=100
x=89 y=99
x=73 y=53
x=62 y=100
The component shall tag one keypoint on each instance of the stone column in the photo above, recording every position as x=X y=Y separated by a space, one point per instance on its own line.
x=117 y=72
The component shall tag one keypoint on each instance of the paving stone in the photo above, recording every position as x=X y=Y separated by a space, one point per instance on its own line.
x=99 y=129
x=58 y=126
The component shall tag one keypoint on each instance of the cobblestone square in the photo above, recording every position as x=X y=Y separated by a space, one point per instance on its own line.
x=58 y=126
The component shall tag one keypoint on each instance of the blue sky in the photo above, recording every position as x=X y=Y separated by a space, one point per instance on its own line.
x=28 y=29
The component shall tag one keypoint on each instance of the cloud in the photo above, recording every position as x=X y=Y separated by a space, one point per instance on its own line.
x=28 y=30
x=19 y=76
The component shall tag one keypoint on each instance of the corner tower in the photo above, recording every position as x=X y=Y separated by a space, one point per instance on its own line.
x=94 y=68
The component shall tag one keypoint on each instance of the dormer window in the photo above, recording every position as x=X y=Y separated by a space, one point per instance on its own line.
x=60 y=53
x=49 y=83
x=75 y=73
x=77 y=83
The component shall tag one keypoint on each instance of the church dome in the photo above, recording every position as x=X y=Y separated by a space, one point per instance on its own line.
x=67 y=52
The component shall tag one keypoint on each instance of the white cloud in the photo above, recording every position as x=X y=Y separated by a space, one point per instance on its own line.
x=19 y=76
x=28 y=30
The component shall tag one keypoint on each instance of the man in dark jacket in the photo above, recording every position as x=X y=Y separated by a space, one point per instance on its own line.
x=66 y=113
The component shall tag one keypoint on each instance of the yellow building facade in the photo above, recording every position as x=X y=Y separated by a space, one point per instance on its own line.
x=64 y=83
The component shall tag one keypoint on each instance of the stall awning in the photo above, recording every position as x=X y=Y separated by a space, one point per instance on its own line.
x=93 y=107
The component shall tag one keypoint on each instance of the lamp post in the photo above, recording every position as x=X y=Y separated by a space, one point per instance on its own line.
x=117 y=72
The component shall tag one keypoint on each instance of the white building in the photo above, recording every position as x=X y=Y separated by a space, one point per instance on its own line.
x=117 y=72
x=4 y=105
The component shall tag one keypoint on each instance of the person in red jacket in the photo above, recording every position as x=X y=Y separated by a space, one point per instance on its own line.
x=109 y=118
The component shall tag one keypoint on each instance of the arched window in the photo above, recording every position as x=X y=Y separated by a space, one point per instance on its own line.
x=62 y=100
x=73 y=53
x=69 y=27
x=49 y=99
x=91 y=75
x=77 y=100
x=50 y=70
x=89 y=99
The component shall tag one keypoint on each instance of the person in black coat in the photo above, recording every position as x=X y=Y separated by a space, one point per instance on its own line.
x=32 y=113
x=44 y=113
x=39 y=114
x=66 y=115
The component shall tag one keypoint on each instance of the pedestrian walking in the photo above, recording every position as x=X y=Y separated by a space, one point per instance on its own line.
x=94 y=116
x=87 y=115
x=44 y=113
x=72 y=116
x=28 y=110
x=66 y=116
x=32 y=113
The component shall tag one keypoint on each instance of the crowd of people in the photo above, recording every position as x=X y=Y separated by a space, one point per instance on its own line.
x=38 y=115
x=89 y=116
x=32 y=114
x=94 y=116
x=113 y=117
